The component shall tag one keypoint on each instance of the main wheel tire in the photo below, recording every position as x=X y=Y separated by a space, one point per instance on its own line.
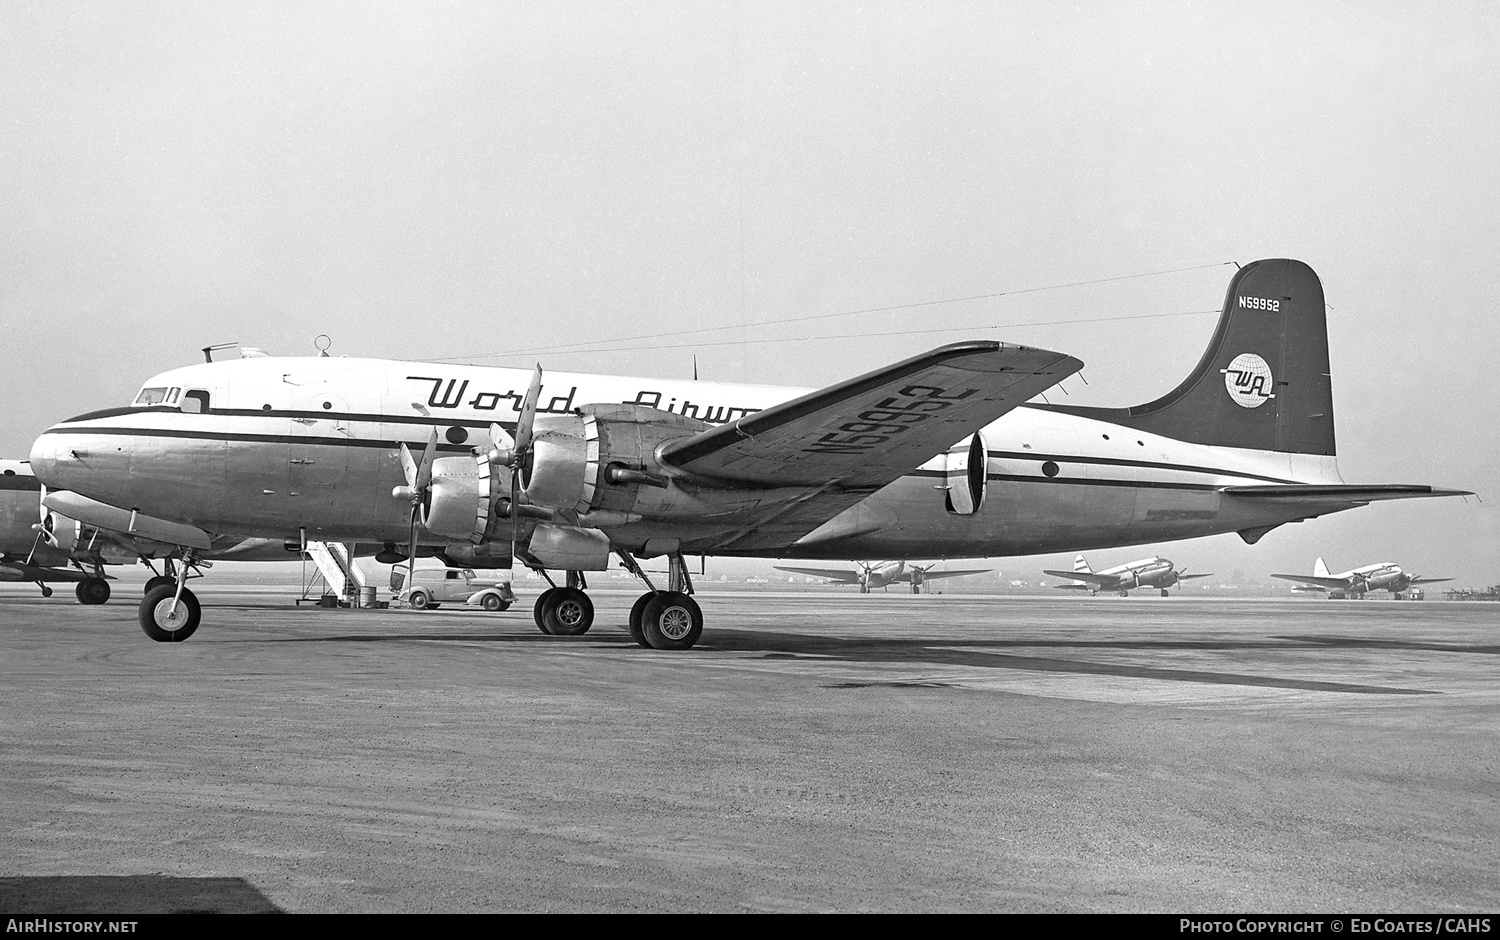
x=672 y=620
x=78 y=592
x=169 y=629
x=93 y=591
x=419 y=600
x=539 y=609
x=491 y=603
x=571 y=613
x=157 y=582
x=637 y=629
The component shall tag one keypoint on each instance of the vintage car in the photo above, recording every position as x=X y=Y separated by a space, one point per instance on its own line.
x=433 y=587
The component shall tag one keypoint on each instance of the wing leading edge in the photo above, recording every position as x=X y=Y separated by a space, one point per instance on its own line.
x=869 y=430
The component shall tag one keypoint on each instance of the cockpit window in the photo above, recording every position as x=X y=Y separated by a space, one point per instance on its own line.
x=172 y=396
x=195 y=402
x=151 y=396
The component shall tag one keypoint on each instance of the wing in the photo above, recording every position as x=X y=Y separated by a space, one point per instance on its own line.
x=841 y=576
x=870 y=430
x=1189 y=577
x=1093 y=580
x=25 y=572
x=1429 y=580
x=934 y=575
x=1311 y=579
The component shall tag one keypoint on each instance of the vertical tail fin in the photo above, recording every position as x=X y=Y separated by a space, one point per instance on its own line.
x=1081 y=564
x=1263 y=383
x=1320 y=570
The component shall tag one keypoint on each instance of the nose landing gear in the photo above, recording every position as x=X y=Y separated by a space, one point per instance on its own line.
x=169 y=612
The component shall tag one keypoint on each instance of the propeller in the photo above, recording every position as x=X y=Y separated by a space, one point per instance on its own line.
x=511 y=452
x=418 y=478
x=919 y=576
x=42 y=528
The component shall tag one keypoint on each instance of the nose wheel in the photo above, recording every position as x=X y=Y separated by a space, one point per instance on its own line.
x=168 y=618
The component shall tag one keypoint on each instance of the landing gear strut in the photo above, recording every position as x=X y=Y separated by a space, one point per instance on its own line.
x=665 y=620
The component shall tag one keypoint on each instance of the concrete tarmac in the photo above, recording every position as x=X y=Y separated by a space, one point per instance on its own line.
x=815 y=752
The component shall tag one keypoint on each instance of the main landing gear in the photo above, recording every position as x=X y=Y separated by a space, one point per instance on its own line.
x=565 y=611
x=91 y=591
x=169 y=612
x=661 y=620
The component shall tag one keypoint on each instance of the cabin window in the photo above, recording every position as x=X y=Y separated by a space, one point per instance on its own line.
x=151 y=396
x=195 y=402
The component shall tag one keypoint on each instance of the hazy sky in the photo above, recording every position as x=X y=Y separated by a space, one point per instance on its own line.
x=481 y=181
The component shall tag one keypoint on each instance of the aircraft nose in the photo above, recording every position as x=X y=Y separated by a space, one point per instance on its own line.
x=44 y=459
x=74 y=461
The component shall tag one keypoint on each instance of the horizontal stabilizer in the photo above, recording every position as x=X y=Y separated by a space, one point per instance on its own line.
x=1338 y=493
x=868 y=431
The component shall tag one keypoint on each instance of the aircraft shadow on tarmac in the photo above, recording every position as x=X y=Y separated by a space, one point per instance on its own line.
x=983 y=654
x=110 y=895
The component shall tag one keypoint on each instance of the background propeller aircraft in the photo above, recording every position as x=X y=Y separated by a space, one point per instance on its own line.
x=940 y=454
x=1356 y=582
x=41 y=545
x=882 y=574
x=1154 y=572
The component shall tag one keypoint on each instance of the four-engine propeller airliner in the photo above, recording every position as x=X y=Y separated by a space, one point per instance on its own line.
x=882 y=574
x=1155 y=572
x=1381 y=576
x=939 y=456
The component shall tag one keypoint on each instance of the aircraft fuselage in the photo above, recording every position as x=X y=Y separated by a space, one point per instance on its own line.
x=287 y=445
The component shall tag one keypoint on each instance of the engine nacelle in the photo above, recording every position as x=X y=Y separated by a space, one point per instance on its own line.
x=563 y=464
x=966 y=475
x=461 y=496
x=600 y=458
x=62 y=533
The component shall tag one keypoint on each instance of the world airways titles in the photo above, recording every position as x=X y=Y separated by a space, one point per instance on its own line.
x=451 y=393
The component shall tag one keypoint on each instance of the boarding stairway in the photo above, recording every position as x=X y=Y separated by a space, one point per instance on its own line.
x=336 y=572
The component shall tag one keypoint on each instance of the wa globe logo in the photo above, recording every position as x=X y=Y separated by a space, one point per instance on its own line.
x=1248 y=380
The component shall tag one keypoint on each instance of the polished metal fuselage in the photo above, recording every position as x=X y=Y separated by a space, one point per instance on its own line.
x=311 y=446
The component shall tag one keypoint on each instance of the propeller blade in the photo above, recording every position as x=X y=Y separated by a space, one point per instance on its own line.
x=424 y=470
x=515 y=514
x=528 y=412
x=408 y=467
x=411 y=550
x=502 y=446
